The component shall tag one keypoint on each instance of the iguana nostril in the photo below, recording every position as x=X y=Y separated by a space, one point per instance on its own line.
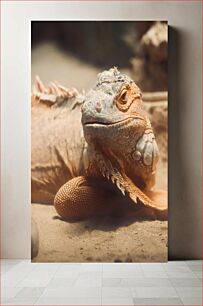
x=98 y=107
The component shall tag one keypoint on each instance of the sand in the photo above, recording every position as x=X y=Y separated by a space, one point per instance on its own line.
x=98 y=240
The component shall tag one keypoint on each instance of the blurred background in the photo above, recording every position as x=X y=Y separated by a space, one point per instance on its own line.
x=74 y=52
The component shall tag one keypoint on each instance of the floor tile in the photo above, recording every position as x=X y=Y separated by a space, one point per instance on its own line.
x=89 y=279
x=21 y=301
x=73 y=292
x=15 y=275
x=66 y=274
x=193 y=262
x=69 y=301
x=175 y=263
x=123 y=274
x=185 y=282
x=37 y=279
x=10 y=261
x=155 y=274
x=9 y=292
x=111 y=282
x=154 y=292
x=47 y=267
x=30 y=292
x=172 y=283
x=152 y=267
x=192 y=301
x=115 y=292
x=157 y=301
x=189 y=291
x=146 y=282
x=117 y=301
x=58 y=282
x=181 y=274
x=196 y=268
x=198 y=274
x=70 y=267
x=90 y=274
x=87 y=267
x=122 y=267
x=4 y=301
x=91 y=282
x=6 y=268
x=177 y=268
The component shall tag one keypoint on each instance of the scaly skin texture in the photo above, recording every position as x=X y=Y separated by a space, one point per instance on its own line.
x=109 y=162
x=57 y=141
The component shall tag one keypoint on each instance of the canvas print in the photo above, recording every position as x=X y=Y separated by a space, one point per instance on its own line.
x=99 y=158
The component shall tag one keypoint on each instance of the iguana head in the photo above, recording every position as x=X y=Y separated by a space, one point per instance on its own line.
x=116 y=125
x=113 y=99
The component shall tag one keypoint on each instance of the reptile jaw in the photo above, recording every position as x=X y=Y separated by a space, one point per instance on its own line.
x=98 y=123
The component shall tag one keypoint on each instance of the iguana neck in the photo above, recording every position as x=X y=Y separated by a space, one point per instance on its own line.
x=97 y=164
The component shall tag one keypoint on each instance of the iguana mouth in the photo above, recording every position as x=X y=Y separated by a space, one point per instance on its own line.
x=98 y=123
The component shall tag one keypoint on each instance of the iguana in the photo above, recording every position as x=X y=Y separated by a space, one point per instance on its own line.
x=94 y=153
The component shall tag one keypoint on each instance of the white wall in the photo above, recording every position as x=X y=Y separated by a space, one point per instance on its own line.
x=184 y=116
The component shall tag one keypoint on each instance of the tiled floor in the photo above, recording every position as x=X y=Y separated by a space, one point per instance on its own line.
x=172 y=283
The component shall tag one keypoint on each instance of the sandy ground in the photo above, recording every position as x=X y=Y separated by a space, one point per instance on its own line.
x=99 y=240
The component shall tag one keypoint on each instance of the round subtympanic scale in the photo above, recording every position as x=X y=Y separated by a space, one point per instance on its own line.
x=141 y=143
x=148 y=154
x=156 y=150
x=156 y=154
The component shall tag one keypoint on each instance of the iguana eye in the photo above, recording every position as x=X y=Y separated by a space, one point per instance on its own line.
x=126 y=97
x=123 y=97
